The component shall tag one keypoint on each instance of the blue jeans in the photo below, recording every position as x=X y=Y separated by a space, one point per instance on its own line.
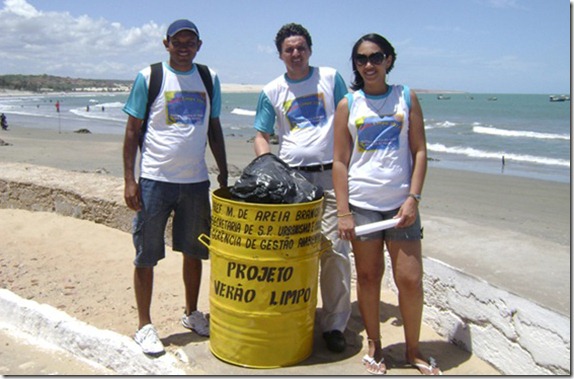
x=191 y=217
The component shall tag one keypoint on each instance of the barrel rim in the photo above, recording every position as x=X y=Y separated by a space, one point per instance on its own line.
x=221 y=194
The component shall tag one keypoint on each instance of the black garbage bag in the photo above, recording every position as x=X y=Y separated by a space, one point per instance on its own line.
x=267 y=179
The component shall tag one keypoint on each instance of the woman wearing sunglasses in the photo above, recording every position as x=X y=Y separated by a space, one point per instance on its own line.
x=379 y=166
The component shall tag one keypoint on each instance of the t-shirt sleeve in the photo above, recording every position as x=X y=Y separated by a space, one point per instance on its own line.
x=407 y=95
x=340 y=88
x=136 y=104
x=265 y=115
x=349 y=97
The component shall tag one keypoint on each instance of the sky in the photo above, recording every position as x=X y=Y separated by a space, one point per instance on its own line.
x=478 y=46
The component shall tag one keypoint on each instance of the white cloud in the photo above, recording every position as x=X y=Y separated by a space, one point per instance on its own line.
x=57 y=43
x=21 y=8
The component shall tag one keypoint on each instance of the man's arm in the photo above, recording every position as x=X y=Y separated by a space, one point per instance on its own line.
x=217 y=146
x=261 y=143
x=264 y=124
x=130 y=150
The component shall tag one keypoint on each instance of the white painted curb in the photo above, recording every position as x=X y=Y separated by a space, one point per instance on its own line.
x=109 y=349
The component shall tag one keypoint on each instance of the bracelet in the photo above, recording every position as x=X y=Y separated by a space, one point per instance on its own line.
x=344 y=214
x=416 y=197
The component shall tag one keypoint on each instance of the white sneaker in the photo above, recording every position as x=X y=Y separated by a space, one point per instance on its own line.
x=198 y=322
x=149 y=341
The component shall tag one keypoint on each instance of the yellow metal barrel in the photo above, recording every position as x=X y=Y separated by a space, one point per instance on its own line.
x=264 y=279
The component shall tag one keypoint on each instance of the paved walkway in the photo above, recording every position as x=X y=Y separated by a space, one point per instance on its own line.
x=24 y=356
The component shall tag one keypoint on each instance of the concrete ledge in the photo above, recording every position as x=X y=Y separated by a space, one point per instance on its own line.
x=511 y=333
x=109 y=349
x=87 y=196
x=516 y=336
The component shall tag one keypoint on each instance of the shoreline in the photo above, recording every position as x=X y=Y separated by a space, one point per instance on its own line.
x=538 y=156
x=22 y=127
x=99 y=127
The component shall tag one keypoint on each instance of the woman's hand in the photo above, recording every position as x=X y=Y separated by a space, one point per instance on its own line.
x=407 y=213
x=346 y=227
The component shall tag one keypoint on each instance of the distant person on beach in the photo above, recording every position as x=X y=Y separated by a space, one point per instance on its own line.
x=3 y=122
x=379 y=168
x=173 y=175
x=303 y=101
x=58 y=106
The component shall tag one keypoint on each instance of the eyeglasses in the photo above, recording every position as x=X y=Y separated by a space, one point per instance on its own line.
x=375 y=59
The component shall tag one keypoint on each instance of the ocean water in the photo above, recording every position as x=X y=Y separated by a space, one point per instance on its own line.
x=471 y=132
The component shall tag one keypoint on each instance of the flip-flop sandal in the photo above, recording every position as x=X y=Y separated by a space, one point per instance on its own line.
x=374 y=367
x=430 y=367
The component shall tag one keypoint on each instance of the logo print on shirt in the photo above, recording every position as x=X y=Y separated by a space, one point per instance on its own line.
x=379 y=133
x=305 y=112
x=185 y=107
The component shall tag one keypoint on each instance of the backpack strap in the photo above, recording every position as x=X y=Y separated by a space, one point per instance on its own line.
x=155 y=81
x=206 y=79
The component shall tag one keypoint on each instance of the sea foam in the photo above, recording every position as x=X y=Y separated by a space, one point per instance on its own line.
x=475 y=153
x=518 y=133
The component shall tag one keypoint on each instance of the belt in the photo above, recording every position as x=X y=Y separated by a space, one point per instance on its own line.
x=316 y=168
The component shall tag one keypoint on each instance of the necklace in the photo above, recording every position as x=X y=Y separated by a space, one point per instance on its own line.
x=378 y=109
x=373 y=99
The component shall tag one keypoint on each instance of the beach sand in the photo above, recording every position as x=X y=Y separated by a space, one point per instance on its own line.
x=512 y=232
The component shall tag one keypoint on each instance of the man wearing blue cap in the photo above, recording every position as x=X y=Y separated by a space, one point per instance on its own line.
x=173 y=130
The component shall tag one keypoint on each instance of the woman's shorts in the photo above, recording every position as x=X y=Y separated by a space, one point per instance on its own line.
x=191 y=217
x=365 y=216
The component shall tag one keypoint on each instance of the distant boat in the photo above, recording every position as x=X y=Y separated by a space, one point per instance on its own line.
x=442 y=97
x=493 y=98
x=554 y=98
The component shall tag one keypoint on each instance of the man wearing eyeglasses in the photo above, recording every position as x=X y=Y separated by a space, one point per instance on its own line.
x=173 y=175
x=303 y=102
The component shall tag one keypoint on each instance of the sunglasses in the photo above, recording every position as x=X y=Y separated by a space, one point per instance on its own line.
x=375 y=59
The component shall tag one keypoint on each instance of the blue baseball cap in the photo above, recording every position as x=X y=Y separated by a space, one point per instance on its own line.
x=179 y=25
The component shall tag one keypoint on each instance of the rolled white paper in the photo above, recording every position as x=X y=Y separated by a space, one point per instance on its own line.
x=376 y=226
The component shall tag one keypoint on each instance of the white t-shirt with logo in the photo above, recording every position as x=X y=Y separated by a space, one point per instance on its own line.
x=175 y=143
x=304 y=111
x=380 y=165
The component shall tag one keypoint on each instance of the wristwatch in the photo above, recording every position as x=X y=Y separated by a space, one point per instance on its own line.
x=415 y=196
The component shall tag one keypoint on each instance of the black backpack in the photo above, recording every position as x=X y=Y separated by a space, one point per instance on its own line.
x=155 y=81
